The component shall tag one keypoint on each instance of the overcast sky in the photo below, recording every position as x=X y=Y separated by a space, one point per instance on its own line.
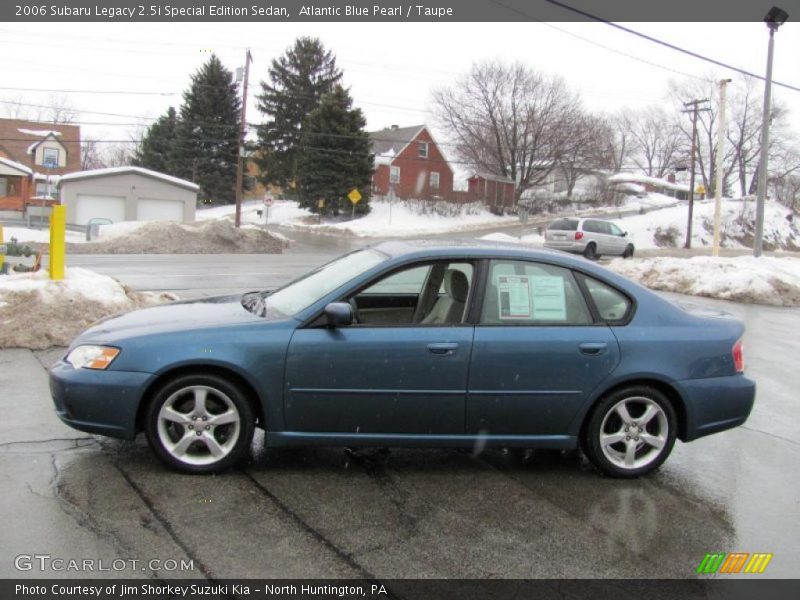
x=390 y=67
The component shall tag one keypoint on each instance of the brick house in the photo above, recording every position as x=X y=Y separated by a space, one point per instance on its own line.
x=409 y=159
x=32 y=152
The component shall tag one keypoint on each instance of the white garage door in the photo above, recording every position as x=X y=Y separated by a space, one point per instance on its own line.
x=89 y=206
x=156 y=209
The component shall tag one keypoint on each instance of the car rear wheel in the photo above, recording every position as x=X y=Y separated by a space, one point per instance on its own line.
x=631 y=432
x=200 y=424
x=590 y=252
x=628 y=251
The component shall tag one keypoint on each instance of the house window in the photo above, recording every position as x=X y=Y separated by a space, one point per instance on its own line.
x=394 y=174
x=423 y=149
x=434 y=180
x=42 y=191
x=50 y=157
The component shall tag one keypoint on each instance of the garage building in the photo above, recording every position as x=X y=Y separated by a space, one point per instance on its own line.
x=127 y=194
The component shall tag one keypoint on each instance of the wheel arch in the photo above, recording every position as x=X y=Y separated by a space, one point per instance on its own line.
x=664 y=387
x=237 y=379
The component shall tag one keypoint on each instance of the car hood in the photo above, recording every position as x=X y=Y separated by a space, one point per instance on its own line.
x=177 y=316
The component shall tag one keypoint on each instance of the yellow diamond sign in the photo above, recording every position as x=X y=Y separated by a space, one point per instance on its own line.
x=354 y=196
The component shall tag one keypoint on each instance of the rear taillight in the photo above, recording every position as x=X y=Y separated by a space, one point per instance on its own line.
x=738 y=356
x=578 y=235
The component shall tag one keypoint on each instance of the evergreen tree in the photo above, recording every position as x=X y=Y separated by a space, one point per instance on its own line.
x=297 y=82
x=207 y=135
x=157 y=150
x=335 y=155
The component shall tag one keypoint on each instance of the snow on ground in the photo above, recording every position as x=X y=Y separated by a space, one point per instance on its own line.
x=667 y=227
x=533 y=239
x=37 y=313
x=26 y=235
x=408 y=219
x=764 y=280
x=280 y=212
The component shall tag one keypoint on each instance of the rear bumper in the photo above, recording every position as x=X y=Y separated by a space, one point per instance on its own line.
x=103 y=402
x=716 y=404
x=567 y=246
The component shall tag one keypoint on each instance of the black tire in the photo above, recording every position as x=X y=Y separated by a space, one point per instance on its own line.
x=590 y=252
x=604 y=419
x=628 y=251
x=222 y=400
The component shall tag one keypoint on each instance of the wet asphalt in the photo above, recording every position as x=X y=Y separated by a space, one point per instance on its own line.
x=405 y=513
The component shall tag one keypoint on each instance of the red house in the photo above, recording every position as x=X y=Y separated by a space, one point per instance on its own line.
x=409 y=160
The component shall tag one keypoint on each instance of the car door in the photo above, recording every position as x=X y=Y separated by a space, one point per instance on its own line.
x=391 y=374
x=536 y=355
x=619 y=240
x=594 y=233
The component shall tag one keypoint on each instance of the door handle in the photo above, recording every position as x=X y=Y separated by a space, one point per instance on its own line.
x=443 y=349
x=593 y=348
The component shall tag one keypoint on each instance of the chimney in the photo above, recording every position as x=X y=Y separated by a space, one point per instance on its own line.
x=394 y=127
x=671 y=177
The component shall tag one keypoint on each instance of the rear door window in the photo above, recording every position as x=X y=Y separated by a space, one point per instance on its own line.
x=529 y=293
x=611 y=304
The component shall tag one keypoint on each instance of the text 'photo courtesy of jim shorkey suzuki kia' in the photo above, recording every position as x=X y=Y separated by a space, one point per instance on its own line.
x=428 y=343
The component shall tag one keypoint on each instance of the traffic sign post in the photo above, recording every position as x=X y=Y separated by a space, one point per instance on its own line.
x=522 y=212
x=355 y=197
x=268 y=200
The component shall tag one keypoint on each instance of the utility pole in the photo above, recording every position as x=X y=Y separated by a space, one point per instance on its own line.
x=718 y=183
x=694 y=110
x=242 y=129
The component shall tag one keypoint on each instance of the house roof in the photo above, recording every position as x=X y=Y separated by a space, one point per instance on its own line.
x=11 y=164
x=127 y=171
x=654 y=181
x=490 y=177
x=18 y=137
x=393 y=140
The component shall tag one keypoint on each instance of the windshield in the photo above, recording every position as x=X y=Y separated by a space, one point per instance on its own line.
x=302 y=293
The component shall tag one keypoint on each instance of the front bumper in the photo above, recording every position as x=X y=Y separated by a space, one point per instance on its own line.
x=716 y=404
x=104 y=402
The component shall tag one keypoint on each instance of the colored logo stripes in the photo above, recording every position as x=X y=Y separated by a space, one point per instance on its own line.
x=734 y=563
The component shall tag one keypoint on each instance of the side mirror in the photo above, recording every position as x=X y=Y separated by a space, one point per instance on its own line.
x=339 y=314
x=624 y=234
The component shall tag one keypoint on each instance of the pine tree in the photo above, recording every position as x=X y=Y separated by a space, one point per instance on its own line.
x=297 y=82
x=207 y=135
x=335 y=155
x=157 y=150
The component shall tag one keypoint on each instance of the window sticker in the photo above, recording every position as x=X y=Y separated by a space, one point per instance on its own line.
x=549 y=301
x=514 y=297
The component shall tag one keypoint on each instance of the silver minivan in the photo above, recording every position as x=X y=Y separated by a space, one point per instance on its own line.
x=590 y=237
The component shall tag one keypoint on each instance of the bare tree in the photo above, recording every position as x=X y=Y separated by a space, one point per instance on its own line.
x=619 y=143
x=57 y=109
x=508 y=120
x=586 y=150
x=655 y=139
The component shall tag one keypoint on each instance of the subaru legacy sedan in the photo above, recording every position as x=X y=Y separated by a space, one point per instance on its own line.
x=457 y=344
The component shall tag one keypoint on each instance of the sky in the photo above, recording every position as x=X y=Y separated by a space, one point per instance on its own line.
x=390 y=68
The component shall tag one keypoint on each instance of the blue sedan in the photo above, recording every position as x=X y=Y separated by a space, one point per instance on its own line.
x=415 y=344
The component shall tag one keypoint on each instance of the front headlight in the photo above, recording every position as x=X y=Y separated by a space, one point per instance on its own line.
x=92 y=357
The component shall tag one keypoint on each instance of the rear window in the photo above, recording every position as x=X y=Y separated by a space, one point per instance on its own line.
x=564 y=225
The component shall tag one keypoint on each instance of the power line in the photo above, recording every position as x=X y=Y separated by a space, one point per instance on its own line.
x=669 y=45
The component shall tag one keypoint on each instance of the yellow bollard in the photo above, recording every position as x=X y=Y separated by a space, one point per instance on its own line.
x=58 y=233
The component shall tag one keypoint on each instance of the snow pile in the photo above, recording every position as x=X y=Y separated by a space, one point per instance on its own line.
x=168 y=237
x=667 y=227
x=532 y=239
x=764 y=280
x=38 y=313
x=408 y=219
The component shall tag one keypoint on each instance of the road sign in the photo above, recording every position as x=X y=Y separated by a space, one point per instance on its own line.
x=321 y=203
x=268 y=200
x=354 y=196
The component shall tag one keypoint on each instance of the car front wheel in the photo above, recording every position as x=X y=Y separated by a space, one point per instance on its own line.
x=631 y=432
x=200 y=424
x=628 y=253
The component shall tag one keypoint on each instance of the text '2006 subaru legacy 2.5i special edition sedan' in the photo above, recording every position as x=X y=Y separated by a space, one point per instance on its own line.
x=415 y=344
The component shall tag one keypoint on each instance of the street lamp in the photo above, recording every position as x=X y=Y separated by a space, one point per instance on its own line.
x=774 y=19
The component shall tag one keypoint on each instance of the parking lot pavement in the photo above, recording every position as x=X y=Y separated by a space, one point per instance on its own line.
x=409 y=513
